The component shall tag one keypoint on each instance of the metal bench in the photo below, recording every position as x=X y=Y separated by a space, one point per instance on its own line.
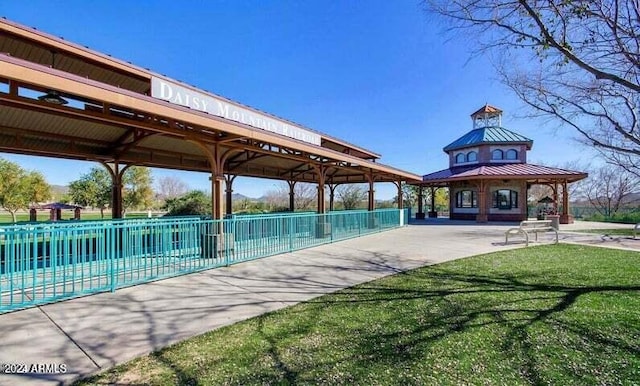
x=533 y=226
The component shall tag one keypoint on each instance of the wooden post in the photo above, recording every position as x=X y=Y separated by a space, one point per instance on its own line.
x=400 y=195
x=433 y=213
x=482 y=204
x=292 y=195
x=228 y=182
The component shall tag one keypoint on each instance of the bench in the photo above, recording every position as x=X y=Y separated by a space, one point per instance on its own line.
x=533 y=226
x=636 y=229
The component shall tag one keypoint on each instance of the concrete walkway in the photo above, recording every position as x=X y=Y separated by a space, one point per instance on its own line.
x=93 y=333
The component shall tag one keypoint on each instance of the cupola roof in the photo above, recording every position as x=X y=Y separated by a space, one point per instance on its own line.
x=488 y=135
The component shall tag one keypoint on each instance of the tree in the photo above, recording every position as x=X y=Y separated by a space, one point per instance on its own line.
x=194 y=202
x=574 y=61
x=92 y=189
x=38 y=190
x=351 y=195
x=171 y=187
x=19 y=188
x=305 y=196
x=95 y=189
x=609 y=187
x=137 y=192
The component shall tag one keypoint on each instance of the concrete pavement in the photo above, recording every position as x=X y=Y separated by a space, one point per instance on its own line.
x=93 y=333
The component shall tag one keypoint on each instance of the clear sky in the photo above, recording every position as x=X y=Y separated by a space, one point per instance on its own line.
x=380 y=74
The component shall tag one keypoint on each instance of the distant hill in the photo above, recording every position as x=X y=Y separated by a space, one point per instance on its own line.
x=240 y=197
x=57 y=191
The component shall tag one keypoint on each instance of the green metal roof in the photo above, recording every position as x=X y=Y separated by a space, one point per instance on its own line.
x=486 y=135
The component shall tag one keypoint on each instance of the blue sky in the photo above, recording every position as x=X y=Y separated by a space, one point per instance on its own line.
x=379 y=74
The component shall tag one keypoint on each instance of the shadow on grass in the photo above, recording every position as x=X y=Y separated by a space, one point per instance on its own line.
x=492 y=328
x=527 y=324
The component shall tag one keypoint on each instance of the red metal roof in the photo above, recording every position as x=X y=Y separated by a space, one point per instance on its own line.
x=512 y=170
x=486 y=109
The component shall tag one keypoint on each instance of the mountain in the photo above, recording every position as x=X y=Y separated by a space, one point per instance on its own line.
x=240 y=197
x=57 y=191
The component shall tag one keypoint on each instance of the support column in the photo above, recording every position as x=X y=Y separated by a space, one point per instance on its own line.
x=321 y=173
x=116 y=188
x=420 y=214
x=216 y=196
x=323 y=226
x=292 y=196
x=555 y=197
x=433 y=213
x=371 y=205
x=321 y=203
x=228 y=183
x=400 y=195
x=482 y=204
x=332 y=191
x=566 y=217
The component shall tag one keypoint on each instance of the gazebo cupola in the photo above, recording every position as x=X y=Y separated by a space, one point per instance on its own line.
x=488 y=142
x=487 y=116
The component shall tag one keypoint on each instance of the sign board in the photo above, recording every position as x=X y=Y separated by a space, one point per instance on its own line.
x=180 y=95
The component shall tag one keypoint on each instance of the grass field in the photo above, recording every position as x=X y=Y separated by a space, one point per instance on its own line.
x=555 y=314
x=5 y=218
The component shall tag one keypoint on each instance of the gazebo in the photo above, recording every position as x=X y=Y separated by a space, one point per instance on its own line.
x=489 y=177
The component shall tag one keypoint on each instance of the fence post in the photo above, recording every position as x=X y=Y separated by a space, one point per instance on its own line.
x=112 y=258
x=291 y=233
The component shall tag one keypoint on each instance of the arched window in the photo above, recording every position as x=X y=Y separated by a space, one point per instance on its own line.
x=466 y=199
x=497 y=154
x=472 y=156
x=511 y=154
x=505 y=199
x=460 y=158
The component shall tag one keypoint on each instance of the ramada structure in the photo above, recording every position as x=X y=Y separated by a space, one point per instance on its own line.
x=61 y=99
x=489 y=177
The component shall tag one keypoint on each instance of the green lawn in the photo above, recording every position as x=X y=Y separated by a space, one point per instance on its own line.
x=5 y=218
x=554 y=314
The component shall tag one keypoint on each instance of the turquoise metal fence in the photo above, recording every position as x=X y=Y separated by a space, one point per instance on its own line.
x=45 y=262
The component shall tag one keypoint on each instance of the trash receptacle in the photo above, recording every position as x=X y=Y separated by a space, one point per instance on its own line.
x=555 y=221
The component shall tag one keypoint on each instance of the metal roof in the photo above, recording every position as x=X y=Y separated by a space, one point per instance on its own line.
x=38 y=47
x=488 y=135
x=486 y=109
x=514 y=170
x=111 y=117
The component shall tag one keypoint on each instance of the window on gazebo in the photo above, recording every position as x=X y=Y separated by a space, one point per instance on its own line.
x=511 y=154
x=472 y=156
x=460 y=158
x=505 y=199
x=497 y=154
x=466 y=199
